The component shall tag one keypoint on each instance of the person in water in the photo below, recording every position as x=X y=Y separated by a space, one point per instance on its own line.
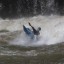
x=36 y=32
x=32 y=32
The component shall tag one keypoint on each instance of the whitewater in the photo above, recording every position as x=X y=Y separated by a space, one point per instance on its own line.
x=52 y=30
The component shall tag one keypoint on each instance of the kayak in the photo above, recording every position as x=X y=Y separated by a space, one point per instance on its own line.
x=28 y=32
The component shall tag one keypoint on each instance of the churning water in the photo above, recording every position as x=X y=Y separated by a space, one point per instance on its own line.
x=52 y=30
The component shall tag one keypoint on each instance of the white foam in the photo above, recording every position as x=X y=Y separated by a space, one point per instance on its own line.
x=52 y=29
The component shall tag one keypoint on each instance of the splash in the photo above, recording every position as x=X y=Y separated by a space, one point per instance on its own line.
x=52 y=30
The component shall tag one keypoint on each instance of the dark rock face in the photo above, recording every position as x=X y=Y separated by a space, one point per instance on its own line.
x=14 y=8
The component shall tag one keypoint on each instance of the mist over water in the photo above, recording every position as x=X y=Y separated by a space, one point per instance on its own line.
x=52 y=30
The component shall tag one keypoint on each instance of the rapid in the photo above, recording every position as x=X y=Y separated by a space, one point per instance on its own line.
x=52 y=30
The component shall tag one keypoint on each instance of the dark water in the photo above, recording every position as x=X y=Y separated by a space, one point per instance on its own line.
x=53 y=54
x=19 y=8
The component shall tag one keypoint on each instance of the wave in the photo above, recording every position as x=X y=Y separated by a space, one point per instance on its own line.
x=52 y=30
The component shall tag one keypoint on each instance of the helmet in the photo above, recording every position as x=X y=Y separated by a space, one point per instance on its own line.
x=39 y=28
